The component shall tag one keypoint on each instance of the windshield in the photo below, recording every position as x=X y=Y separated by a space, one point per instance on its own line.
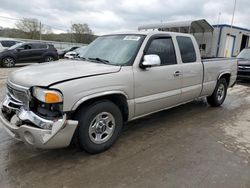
x=15 y=46
x=244 y=54
x=114 y=49
x=79 y=50
x=66 y=49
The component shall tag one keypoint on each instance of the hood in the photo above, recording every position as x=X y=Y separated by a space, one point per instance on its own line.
x=243 y=62
x=5 y=50
x=49 y=73
x=71 y=53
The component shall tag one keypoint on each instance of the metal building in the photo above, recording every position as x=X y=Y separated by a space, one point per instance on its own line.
x=230 y=40
x=214 y=41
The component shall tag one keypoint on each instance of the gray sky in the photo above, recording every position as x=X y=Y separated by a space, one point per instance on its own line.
x=105 y=16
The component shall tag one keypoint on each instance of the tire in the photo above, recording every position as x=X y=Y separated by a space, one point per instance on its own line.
x=219 y=94
x=49 y=58
x=99 y=126
x=8 y=62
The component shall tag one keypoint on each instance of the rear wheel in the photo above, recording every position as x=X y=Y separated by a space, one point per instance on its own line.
x=8 y=62
x=49 y=59
x=99 y=126
x=219 y=94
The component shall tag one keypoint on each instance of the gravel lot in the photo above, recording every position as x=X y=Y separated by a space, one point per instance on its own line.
x=192 y=145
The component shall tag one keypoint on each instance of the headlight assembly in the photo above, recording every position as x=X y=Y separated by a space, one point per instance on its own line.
x=46 y=95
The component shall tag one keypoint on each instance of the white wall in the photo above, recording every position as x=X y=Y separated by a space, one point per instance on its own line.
x=211 y=41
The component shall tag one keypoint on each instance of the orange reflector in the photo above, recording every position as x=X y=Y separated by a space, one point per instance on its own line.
x=52 y=98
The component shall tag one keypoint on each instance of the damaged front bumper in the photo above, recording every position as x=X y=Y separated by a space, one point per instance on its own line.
x=26 y=126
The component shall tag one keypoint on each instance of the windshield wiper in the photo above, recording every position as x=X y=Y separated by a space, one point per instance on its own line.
x=82 y=58
x=99 y=60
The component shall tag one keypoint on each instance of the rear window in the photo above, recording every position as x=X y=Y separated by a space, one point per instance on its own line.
x=8 y=44
x=51 y=46
x=187 y=50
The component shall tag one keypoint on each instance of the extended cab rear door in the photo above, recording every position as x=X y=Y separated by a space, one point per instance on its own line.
x=158 y=87
x=191 y=66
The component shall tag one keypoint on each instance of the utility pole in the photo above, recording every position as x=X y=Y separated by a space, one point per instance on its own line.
x=71 y=31
x=218 y=22
x=40 y=28
x=230 y=32
x=232 y=21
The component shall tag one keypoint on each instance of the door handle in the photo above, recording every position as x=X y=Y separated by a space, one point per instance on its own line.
x=177 y=73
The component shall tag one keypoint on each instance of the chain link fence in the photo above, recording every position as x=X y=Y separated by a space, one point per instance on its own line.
x=57 y=44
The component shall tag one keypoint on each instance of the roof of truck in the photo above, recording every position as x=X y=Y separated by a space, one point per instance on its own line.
x=146 y=33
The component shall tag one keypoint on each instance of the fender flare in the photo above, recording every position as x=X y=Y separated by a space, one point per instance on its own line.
x=95 y=95
x=223 y=73
x=8 y=55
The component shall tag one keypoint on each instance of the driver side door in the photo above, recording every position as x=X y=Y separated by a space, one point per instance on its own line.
x=159 y=87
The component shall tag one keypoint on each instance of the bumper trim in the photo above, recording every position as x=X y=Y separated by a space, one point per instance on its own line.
x=60 y=135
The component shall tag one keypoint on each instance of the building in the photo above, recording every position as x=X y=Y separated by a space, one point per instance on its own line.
x=213 y=41
x=229 y=41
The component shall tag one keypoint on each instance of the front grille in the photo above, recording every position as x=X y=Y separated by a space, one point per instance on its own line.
x=242 y=67
x=18 y=95
x=244 y=73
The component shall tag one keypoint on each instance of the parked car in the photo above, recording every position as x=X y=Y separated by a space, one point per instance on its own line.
x=75 y=53
x=61 y=53
x=122 y=77
x=6 y=43
x=244 y=64
x=28 y=52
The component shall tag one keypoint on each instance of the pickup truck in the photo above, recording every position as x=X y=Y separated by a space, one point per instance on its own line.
x=120 y=78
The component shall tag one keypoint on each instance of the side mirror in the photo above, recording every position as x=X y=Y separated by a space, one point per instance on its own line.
x=151 y=61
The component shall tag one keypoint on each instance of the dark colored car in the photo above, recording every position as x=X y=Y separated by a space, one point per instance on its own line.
x=244 y=64
x=61 y=53
x=28 y=52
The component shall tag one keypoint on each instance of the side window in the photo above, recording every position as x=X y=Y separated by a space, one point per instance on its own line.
x=43 y=46
x=187 y=50
x=73 y=48
x=27 y=47
x=164 y=48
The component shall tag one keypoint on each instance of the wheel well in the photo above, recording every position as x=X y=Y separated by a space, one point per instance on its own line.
x=8 y=56
x=227 y=77
x=118 y=99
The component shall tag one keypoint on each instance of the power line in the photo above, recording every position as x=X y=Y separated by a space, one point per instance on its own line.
x=53 y=27
x=9 y=18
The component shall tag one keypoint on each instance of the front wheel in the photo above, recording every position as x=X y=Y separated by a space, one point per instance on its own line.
x=99 y=126
x=219 y=94
x=8 y=62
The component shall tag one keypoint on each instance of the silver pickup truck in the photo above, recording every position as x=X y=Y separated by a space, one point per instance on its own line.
x=121 y=77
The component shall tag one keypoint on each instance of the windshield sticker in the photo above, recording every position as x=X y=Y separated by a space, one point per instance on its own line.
x=131 y=37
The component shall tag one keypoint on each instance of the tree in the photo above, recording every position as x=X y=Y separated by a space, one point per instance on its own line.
x=81 y=32
x=32 y=27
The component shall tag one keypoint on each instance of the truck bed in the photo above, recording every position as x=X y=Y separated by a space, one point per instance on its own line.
x=213 y=68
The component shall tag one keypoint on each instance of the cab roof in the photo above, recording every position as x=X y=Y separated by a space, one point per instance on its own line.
x=148 y=33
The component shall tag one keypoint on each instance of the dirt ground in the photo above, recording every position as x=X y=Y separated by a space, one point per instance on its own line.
x=192 y=145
